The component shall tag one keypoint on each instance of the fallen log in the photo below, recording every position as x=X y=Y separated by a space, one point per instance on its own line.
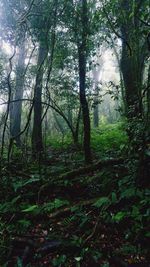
x=80 y=171
x=90 y=168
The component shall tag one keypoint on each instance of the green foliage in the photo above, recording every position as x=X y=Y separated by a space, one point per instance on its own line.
x=130 y=192
x=58 y=141
x=118 y=221
x=103 y=203
x=17 y=152
x=114 y=198
x=119 y=216
x=19 y=263
x=45 y=208
x=110 y=137
x=59 y=260
x=22 y=183
x=31 y=208
x=57 y=203
x=24 y=224
x=10 y=205
x=77 y=240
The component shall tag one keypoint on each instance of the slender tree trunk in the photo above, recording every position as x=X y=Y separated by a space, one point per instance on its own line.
x=96 y=115
x=82 y=53
x=37 y=142
x=95 y=101
x=16 y=109
x=148 y=102
x=123 y=100
x=148 y=91
x=76 y=134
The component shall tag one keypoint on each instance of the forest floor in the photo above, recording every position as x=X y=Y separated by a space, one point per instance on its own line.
x=61 y=213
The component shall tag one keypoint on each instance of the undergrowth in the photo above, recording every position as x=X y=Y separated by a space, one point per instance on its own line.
x=94 y=218
x=109 y=137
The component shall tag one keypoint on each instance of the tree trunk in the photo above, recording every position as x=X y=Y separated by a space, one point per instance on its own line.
x=15 y=126
x=84 y=104
x=37 y=142
x=95 y=101
x=132 y=60
x=76 y=132
x=148 y=100
x=97 y=76
x=82 y=53
x=123 y=98
x=132 y=84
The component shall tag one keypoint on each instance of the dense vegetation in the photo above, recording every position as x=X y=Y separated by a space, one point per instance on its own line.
x=74 y=133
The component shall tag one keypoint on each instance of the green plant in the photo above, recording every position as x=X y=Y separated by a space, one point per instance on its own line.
x=59 y=260
x=57 y=203
x=102 y=202
x=110 y=137
x=24 y=182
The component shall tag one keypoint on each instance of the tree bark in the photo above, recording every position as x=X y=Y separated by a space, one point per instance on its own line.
x=37 y=141
x=16 y=110
x=148 y=100
x=132 y=61
x=82 y=53
x=95 y=101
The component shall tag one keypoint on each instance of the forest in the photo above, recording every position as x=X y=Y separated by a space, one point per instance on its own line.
x=74 y=133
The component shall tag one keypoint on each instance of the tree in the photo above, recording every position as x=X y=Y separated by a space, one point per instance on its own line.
x=41 y=30
x=82 y=54
x=37 y=143
x=97 y=73
x=133 y=56
x=16 y=110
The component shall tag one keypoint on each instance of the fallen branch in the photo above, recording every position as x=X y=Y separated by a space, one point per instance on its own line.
x=68 y=209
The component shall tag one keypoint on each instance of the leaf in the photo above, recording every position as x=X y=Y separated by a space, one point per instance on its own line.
x=17 y=185
x=21 y=184
x=33 y=179
x=128 y=193
x=78 y=259
x=119 y=216
x=132 y=192
x=103 y=201
x=57 y=203
x=24 y=223
x=59 y=260
x=131 y=15
x=113 y=197
x=135 y=211
x=14 y=200
x=30 y=208
x=74 y=208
